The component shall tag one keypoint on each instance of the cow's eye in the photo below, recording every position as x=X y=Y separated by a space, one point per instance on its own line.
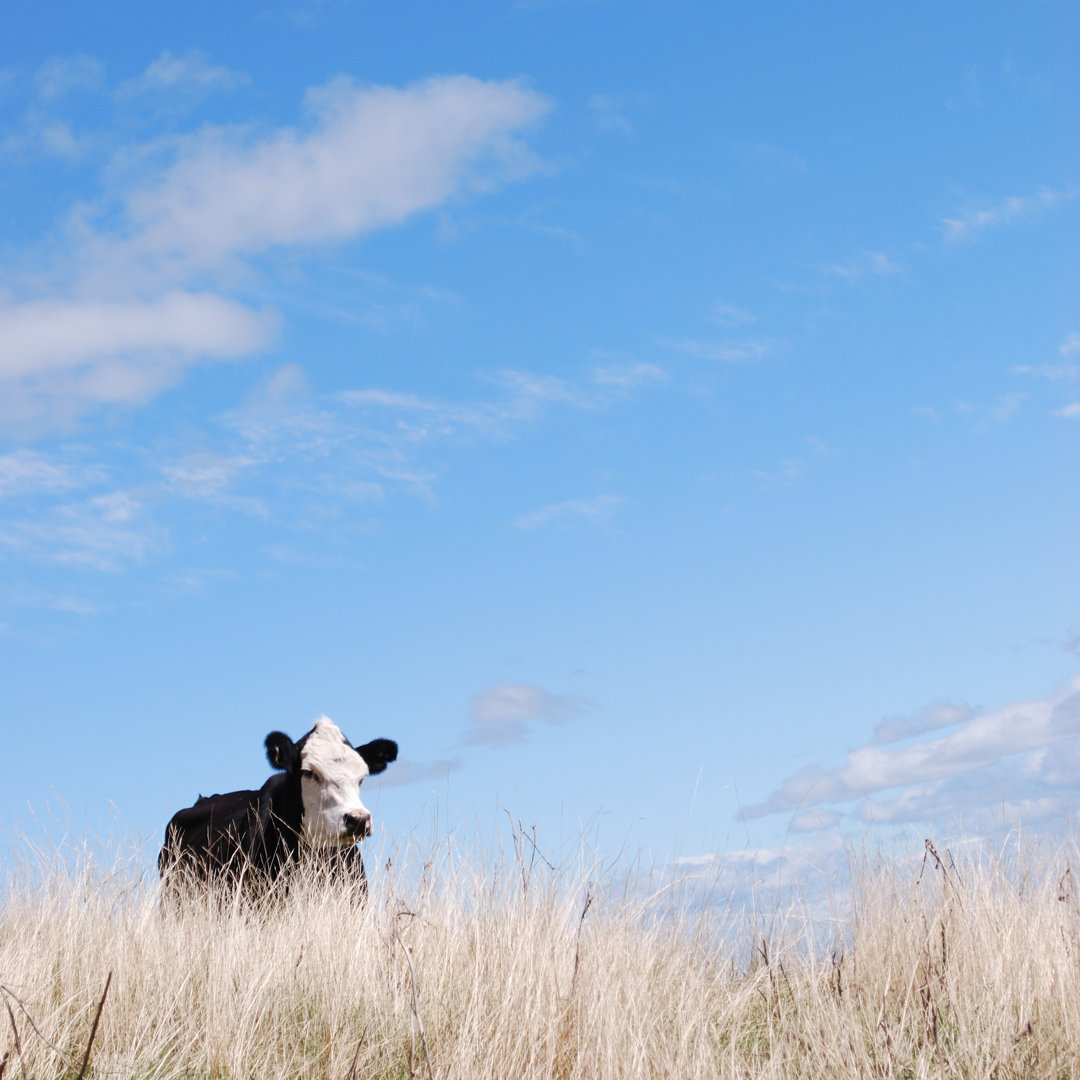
x=311 y=774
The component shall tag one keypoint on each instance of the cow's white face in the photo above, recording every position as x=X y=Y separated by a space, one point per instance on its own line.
x=330 y=775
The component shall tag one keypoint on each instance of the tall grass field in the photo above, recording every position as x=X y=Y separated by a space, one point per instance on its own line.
x=490 y=964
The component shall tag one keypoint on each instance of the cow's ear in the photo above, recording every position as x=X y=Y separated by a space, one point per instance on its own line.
x=378 y=754
x=280 y=750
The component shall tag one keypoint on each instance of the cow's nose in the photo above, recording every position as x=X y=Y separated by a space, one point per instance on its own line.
x=358 y=824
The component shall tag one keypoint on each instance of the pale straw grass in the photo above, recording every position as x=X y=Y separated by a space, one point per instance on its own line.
x=469 y=965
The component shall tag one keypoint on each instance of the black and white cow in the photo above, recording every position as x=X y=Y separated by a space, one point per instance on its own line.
x=309 y=811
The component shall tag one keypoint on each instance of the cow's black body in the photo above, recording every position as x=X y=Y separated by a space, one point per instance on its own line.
x=250 y=839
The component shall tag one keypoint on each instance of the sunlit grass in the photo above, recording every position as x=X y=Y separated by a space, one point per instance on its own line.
x=472 y=964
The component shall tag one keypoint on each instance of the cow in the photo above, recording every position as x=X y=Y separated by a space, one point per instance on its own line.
x=309 y=811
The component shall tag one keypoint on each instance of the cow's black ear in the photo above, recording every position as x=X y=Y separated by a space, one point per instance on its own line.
x=378 y=754
x=280 y=750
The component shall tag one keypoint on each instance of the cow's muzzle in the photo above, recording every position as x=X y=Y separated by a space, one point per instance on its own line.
x=358 y=825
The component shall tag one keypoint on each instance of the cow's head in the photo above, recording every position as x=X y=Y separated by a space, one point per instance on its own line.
x=330 y=772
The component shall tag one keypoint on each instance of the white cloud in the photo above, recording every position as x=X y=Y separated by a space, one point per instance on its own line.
x=955 y=772
x=41 y=337
x=975 y=220
x=1070 y=412
x=598 y=508
x=503 y=713
x=1070 y=345
x=373 y=157
x=60 y=357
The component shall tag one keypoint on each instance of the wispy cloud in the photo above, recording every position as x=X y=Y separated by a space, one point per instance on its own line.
x=288 y=458
x=65 y=74
x=415 y=772
x=623 y=377
x=725 y=352
x=974 y=220
x=598 y=508
x=187 y=74
x=27 y=472
x=366 y=444
x=866 y=264
x=730 y=315
x=786 y=471
x=610 y=112
x=520 y=397
x=1063 y=372
x=105 y=532
x=943 y=714
x=994 y=413
x=504 y=713
x=418 y=419
x=771 y=163
x=211 y=477
x=1066 y=372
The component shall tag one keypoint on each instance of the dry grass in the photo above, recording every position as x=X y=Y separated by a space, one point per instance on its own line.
x=477 y=966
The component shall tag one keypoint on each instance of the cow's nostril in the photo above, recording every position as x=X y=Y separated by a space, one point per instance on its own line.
x=358 y=824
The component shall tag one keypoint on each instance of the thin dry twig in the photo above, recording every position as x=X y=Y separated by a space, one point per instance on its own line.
x=949 y=873
x=577 y=944
x=93 y=1030
x=18 y=1041
x=356 y=1056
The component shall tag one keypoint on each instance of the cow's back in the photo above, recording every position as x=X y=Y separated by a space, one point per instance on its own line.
x=234 y=836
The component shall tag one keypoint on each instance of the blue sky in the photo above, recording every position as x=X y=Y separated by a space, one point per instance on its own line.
x=663 y=420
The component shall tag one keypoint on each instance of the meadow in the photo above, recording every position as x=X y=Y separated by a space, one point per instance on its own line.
x=489 y=962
